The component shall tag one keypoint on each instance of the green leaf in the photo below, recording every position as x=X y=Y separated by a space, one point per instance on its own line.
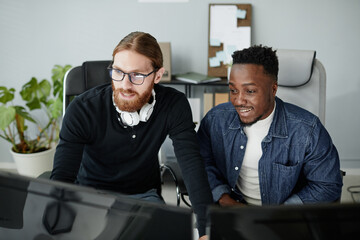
x=43 y=90
x=7 y=116
x=28 y=89
x=58 y=73
x=34 y=104
x=58 y=90
x=23 y=113
x=6 y=95
x=55 y=107
x=34 y=93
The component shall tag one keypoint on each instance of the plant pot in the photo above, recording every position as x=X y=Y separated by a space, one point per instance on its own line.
x=34 y=164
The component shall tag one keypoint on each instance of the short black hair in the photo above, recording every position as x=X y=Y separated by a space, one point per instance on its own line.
x=260 y=55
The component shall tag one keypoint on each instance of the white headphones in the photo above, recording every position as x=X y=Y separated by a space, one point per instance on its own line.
x=133 y=118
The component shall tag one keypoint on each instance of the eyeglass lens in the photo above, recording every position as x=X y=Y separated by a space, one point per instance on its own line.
x=134 y=78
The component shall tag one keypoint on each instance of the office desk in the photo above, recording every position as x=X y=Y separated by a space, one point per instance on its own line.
x=188 y=86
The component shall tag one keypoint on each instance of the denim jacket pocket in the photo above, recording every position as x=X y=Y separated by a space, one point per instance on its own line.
x=285 y=178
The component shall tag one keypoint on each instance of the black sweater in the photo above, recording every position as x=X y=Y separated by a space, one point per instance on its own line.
x=96 y=150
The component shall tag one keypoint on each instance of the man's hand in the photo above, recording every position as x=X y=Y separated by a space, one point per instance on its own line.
x=226 y=200
x=205 y=237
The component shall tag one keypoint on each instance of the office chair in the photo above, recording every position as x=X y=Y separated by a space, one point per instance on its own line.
x=302 y=81
x=81 y=78
x=174 y=169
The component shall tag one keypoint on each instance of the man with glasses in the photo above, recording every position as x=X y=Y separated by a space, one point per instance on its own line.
x=111 y=134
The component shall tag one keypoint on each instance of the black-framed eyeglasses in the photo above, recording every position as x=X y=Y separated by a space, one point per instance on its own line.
x=134 y=77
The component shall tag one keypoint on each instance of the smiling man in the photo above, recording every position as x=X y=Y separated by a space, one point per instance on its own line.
x=111 y=134
x=260 y=150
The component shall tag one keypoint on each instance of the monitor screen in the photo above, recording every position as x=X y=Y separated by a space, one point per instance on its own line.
x=42 y=209
x=321 y=221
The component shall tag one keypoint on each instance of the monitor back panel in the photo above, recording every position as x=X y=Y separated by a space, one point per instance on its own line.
x=43 y=209
x=321 y=221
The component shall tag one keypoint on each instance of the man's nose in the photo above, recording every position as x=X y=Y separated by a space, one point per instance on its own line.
x=126 y=82
x=240 y=99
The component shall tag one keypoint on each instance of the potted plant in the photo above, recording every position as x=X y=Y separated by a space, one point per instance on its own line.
x=17 y=122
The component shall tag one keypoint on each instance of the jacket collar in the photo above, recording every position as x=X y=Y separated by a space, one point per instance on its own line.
x=278 y=127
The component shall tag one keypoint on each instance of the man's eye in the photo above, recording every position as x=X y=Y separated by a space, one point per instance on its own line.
x=137 y=75
x=250 y=91
x=233 y=91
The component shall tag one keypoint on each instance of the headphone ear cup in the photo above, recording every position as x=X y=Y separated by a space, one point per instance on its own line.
x=130 y=118
x=145 y=112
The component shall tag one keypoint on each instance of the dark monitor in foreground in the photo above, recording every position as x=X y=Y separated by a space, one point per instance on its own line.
x=41 y=209
x=321 y=221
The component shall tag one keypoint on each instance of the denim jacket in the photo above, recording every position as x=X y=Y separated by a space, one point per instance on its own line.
x=299 y=163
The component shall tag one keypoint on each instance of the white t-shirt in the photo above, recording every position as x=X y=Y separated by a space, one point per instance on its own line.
x=248 y=180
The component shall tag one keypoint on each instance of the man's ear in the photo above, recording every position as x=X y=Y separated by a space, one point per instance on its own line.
x=274 y=88
x=158 y=75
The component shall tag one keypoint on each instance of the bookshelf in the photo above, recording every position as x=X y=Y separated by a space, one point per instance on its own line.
x=210 y=93
x=205 y=92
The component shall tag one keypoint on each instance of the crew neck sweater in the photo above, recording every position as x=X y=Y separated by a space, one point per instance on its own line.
x=97 y=150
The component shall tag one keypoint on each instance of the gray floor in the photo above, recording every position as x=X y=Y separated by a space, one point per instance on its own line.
x=350 y=181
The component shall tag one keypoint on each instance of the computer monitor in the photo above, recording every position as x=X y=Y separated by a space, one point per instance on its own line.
x=320 y=221
x=42 y=209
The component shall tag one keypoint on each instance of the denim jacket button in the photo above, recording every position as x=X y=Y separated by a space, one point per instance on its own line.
x=241 y=147
x=236 y=168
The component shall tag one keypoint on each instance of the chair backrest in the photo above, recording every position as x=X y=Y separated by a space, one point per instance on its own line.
x=302 y=80
x=81 y=78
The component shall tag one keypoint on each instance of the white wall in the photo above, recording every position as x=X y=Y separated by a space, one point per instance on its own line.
x=36 y=34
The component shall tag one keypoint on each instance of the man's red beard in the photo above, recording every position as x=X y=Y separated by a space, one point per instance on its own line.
x=134 y=105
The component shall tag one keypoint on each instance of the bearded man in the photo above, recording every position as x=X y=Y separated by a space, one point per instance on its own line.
x=111 y=134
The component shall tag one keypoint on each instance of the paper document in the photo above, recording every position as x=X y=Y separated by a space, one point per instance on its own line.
x=223 y=22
